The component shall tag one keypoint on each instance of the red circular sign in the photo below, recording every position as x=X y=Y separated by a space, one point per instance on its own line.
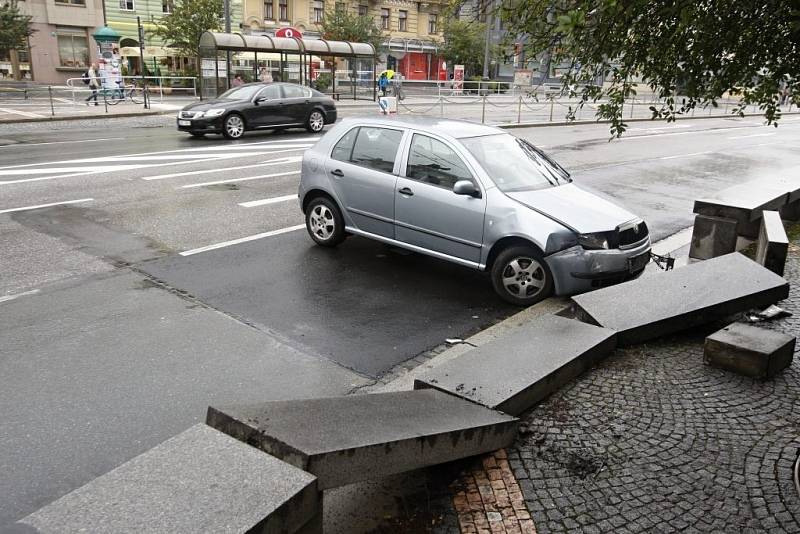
x=289 y=32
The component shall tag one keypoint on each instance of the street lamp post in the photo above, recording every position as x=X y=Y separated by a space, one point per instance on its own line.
x=141 y=62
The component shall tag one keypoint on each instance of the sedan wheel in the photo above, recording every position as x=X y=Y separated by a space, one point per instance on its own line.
x=234 y=127
x=521 y=276
x=324 y=222
x=316 y=121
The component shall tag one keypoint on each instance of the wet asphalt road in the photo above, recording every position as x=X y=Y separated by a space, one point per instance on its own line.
x=111 y=341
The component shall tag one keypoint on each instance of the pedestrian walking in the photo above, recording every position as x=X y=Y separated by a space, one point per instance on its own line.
x=265 y=76
x=94 y=83
x=383 y=83
x=237 y=81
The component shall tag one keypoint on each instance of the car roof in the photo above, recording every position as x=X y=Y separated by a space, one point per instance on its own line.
x=451 y=127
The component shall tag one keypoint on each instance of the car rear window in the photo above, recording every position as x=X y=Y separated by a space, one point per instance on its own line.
x=370 y=147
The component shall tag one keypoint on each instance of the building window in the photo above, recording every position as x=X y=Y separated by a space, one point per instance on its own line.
x=167 y=6
x=384 y=18
x=340 y=7
x=319 y=11
x=362 y=10
x=73 y=47
x=72 y=2
x=269 y=10
x=402 y=24
x=126 y=5
x=432 y=20
x=283 y=9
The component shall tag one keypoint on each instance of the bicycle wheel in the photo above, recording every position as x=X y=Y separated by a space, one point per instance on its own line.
x=109 y=97
x=136 y=95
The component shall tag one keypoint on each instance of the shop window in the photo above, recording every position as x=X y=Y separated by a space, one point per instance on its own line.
x=384 y=18
x=73 y=47
x=432 y=20
x=126 y=5
x=167 y=6
x=319 y=11
x=269 y=13
x=403 y=21
x=283 y=10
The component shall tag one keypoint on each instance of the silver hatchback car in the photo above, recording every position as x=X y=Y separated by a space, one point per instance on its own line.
x=471 y=194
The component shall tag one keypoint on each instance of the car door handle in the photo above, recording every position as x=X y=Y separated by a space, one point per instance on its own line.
x=406 y=191
x=337 y=172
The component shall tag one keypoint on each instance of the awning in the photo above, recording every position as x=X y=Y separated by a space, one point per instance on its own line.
x=211 y=41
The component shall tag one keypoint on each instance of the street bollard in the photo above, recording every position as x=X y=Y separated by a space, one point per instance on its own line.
x=632 y=105
x=552 y=103
x=519 y=109
x=483 y=111
x=441 y=105
x=52 y=109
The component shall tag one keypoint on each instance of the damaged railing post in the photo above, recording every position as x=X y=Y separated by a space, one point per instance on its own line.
x=52 y=108
x=519 y=109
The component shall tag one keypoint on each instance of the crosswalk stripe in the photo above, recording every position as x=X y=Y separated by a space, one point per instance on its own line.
x=243 y=240
x=266 y=201
x=291 y=159
x=233 y=180
x=26 y=208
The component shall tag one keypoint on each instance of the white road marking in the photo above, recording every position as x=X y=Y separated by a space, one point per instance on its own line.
x=56 y=170
x=243 y=240
x=687 y=155
x=61 y=142
x=293 y=159
x=26 y=208
x=247 y=146
x=752 y=135
x=233 y=180
x=265 y=201
x=18 y=295
x=22 y=113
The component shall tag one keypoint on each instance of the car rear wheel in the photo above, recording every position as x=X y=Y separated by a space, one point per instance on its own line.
x=233 y=128
x=324 y=222
x=521 y=276
x=315 y=122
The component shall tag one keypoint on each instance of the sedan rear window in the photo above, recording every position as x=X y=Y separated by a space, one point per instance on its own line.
x=514 y=164
x=374 y=148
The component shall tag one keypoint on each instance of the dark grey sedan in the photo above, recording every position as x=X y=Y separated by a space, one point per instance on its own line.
x=258 y=106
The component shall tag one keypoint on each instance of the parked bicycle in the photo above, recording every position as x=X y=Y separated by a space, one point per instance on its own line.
x=130 y=91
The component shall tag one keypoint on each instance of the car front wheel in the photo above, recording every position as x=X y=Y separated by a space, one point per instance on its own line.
x=521 y=276
x=315 y=122
x=324 y=222
x=233 y=128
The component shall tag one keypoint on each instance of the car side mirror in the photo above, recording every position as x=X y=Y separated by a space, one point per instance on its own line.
x=466 y=187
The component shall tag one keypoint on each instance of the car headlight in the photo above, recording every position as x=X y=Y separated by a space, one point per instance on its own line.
x=593 y=241
x=215 y=112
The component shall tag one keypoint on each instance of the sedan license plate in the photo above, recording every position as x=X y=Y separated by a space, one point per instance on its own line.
x=184 y=123
x=637 y=263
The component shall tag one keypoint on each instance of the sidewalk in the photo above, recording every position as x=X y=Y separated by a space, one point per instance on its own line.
x=649 y=440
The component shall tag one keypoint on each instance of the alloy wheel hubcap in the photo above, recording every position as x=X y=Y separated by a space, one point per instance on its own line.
x=316 y=121
x=322 y=222
x=234 y=126
x=524 y=277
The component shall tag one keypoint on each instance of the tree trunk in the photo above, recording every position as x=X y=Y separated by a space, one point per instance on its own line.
x=16 y=72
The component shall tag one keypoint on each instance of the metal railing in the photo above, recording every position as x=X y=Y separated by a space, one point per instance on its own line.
x=158 y=86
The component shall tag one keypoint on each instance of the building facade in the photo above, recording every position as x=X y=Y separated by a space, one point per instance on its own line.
x=62 y=46
x=413 y=30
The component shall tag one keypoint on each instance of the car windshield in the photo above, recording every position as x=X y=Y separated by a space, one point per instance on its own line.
x=245 y=92
x=514 y=164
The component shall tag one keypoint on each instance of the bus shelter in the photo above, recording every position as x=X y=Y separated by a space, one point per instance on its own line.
x=292 y=59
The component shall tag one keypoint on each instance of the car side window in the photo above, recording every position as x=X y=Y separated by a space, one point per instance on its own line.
x=433 y=162
x=344 y=148
x=270 y=92
x=376 y=148
x=293 y=91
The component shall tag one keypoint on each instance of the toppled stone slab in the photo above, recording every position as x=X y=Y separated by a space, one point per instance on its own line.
x=198 y=481
x=712 y=237
x=360 y=437
x=744 y=203
x=773 y=244
x=699 y=293
x=516 y=371
x=749 y=350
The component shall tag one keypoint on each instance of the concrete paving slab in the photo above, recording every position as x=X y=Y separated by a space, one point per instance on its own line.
x=773 y=243
x=696 y=294
x=343 y=440
x=198 y=481
x=712 y=237
x=514 y=372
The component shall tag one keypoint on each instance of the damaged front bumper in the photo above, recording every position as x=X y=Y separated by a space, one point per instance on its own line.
x=576 y=270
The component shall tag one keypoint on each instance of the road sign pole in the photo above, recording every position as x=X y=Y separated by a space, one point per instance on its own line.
x=141 y=62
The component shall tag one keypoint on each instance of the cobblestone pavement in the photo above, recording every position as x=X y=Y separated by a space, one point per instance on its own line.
x=654 y=440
